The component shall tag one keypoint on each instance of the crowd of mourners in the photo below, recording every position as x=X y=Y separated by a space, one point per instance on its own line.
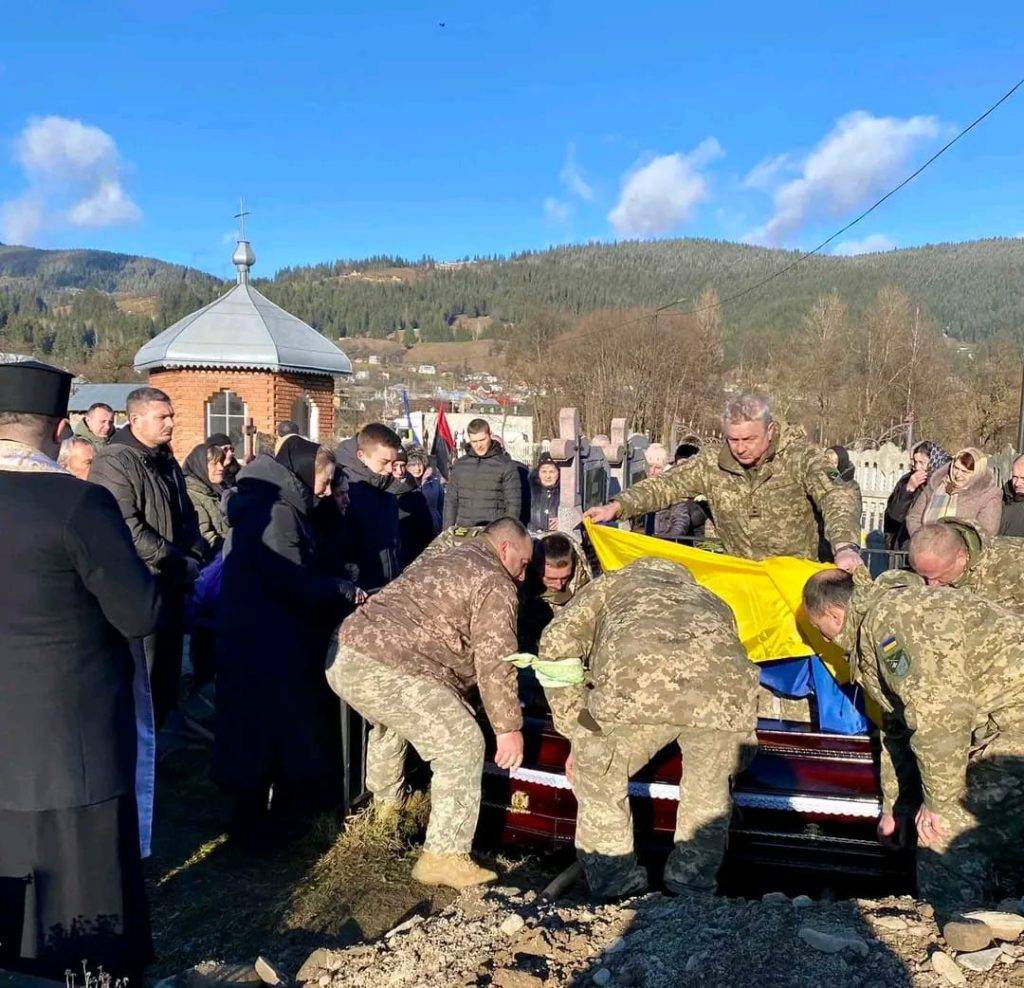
x=426 y=594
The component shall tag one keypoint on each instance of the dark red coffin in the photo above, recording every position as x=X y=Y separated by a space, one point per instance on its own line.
x=804 y=811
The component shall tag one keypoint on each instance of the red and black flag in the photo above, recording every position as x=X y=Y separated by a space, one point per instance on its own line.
x=443 y=447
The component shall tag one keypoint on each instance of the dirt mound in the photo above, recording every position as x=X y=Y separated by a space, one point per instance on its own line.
x=513 y=939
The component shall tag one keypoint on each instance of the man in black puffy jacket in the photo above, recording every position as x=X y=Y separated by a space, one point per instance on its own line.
x=484 y=484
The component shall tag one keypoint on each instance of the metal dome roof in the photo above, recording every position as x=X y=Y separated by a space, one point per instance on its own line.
x=243 y=330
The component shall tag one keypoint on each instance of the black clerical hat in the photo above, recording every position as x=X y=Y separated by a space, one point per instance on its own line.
x=34 y=388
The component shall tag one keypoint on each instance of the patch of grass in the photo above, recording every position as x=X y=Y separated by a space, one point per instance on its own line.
x=333 y=884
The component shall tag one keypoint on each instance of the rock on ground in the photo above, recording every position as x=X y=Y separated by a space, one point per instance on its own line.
x=503 y=937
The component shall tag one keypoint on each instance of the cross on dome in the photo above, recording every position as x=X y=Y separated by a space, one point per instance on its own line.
x=243 y=257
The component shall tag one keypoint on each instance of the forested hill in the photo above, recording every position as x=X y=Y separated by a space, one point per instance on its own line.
x=55 y=270
x=92 y=309
x=972 y=290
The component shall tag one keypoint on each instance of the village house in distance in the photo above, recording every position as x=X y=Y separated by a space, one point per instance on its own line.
x=239 y=358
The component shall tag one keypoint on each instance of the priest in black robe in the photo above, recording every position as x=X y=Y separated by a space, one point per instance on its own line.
x=72 y=591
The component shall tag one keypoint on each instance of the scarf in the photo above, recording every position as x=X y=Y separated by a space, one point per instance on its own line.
x=197 y=465
x=16 y=457
x=937 y=456
x=945 y=502
x=299 y=456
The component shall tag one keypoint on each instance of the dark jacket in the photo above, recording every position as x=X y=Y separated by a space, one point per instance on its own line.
x=149 y=488
x=74 y=590
x=685 y=520
x=276 y=720
x=543 y=504
x=896 y=508
x=213 y=525
x=415 y=522
x=433 y=491
x=372 y=520
x=483 y=488
x=1012 y=519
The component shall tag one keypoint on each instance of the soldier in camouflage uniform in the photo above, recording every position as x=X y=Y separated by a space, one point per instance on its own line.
x=406 y=661
x=663 y=663
x=957 y=553
x=762 y=486
x=558 y=570
x=947 y=668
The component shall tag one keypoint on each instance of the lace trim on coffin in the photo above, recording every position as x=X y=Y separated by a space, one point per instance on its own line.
x=829 y=805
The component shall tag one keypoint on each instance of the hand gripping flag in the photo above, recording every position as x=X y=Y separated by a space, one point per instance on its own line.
x=765 y=597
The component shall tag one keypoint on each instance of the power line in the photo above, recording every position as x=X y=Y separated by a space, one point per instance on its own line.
x=888 y=195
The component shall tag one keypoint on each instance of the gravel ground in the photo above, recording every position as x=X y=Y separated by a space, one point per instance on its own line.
x=514 y=939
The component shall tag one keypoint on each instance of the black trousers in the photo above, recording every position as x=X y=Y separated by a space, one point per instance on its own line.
x=162 y=653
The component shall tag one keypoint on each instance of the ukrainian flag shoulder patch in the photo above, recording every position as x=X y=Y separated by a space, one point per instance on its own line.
x=893 y=657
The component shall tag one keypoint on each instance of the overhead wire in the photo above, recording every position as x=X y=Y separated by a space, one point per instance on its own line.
x=867 y=212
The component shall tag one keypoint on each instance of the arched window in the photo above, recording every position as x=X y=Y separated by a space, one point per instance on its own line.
x=306 y=416
x=226 y=412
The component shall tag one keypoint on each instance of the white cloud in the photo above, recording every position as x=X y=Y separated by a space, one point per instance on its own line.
x=572 y=178
x=107 y=206
x=556 y=210
x=660 y=195
x=769 y=171
x=859 y=158
x=74 y=177
x=873 y=243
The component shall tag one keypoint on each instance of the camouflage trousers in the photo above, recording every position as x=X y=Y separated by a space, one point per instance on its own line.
x=603 y=764
x=437 y=722
x=982 y=858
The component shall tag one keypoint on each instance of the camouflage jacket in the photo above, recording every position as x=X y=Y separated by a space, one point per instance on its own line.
x=947 y=668
x=658 y=649
x=767 y=510
x=537 y=604
x=995 y=569
x=452 y=617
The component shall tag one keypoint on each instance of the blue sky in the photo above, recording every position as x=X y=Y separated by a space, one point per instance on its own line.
x=356 y=129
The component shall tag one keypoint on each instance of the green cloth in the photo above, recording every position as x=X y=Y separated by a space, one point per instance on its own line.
x=550 y=673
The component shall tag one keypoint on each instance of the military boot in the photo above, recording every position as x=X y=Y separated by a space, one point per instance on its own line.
x=457 y=871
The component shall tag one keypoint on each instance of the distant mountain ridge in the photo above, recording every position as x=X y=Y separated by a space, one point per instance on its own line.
x=127 y=274
x=971 y=289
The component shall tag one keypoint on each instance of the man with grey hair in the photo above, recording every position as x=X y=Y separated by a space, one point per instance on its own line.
x=763 y=487
x=954 y=552
x=76 y=455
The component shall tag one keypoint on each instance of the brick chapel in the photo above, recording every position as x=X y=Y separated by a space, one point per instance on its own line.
x=242 y=364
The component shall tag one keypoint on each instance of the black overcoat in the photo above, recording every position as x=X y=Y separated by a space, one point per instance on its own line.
x=277 y=720
x=73 y=589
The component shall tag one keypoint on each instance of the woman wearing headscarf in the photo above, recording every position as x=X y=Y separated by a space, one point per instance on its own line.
x=926 y=458
x=277 y=720
x=545 y=495
x=966 y=489
x=204 y=475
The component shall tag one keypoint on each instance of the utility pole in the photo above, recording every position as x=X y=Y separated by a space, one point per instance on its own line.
x=1020 y=412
